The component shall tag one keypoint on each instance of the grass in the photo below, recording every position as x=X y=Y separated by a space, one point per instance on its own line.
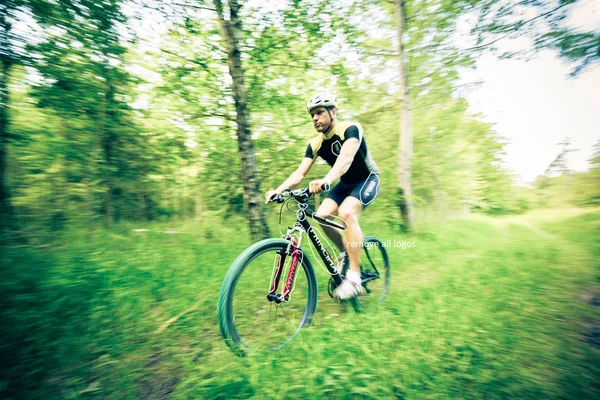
x=480 y=308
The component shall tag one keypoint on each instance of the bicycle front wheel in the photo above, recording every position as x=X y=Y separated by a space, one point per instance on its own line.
x=248 y=319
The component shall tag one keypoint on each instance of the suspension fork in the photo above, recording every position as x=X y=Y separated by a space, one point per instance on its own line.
x=296 y=257
x=292 y=249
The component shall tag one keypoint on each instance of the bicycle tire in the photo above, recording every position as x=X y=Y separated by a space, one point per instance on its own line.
x=374 y=265
x=255 y=282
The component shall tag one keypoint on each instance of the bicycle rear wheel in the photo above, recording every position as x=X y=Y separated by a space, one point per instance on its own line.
x=247 y=318
x=375 y=273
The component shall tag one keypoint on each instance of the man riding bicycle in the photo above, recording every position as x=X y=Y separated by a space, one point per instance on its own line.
x=342 y=145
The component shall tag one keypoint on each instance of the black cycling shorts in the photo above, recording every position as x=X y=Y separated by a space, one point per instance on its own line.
x=366 y=190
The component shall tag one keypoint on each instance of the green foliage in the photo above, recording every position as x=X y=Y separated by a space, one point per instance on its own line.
x=480 y=308
x=159 y=142
x=560 y=187
x=571 y=189
x=544 y=23
x=103 y=127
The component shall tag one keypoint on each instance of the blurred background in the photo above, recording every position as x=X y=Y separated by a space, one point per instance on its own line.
x=137 y=139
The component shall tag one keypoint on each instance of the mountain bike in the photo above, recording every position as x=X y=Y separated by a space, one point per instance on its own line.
x=270 y=291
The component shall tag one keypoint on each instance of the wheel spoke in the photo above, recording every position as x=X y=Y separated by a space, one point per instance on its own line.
x=375 y=273
x=367 y=252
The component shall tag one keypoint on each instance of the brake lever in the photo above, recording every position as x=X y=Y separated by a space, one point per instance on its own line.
x=276 y=198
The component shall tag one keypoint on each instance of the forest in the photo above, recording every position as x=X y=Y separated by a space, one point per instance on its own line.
x=138 y=137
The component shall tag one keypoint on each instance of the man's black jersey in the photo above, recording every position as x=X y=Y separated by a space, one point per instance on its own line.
x=329 y=147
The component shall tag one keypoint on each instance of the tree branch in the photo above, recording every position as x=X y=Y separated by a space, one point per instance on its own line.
x=197 y=62
x=479 y=47
x=296 y=66
x=197 y=7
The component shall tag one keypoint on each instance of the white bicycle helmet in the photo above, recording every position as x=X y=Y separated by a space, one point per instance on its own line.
x=321 y=100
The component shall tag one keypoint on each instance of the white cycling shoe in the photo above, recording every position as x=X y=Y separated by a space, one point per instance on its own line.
x=350 y=286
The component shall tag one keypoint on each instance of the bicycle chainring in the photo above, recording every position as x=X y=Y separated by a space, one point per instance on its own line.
x=332 y=285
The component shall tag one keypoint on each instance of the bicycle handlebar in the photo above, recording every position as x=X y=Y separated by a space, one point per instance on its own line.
x=298 y=194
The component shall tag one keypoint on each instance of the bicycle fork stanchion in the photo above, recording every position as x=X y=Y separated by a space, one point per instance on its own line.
x=293 y=249
x=272 y=296
x=296 y=256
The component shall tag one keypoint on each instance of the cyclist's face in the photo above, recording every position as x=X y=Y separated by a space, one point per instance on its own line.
x=320 y=118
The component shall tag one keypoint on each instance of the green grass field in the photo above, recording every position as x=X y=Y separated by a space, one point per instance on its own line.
x=481 y=308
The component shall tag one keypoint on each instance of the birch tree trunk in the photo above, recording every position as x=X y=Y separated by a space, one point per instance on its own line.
x=406 y=135
x=231 y=30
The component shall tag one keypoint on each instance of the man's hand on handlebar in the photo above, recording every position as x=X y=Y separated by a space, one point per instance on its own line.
x=318 y=186
x=269 y=195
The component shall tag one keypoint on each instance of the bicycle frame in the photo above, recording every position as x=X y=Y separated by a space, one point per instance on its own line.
x=301 y=227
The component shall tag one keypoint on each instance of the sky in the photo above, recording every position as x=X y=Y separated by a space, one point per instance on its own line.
x=534 y=104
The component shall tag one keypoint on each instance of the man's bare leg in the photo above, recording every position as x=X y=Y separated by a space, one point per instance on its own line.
x=328 y=209
x=350 y=211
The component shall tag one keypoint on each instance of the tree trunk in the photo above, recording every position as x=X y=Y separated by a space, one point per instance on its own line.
x=231 y=30
x=5 y=208
x=436 y=176
x=406 y=136
x=89 y=180
x=106 y=146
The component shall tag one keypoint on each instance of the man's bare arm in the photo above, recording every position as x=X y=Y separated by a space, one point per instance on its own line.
x=294 y=179
x=297 y=176
x=344 y=160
